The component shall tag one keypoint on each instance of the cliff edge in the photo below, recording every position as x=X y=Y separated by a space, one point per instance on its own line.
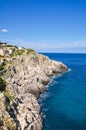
x=25 y=77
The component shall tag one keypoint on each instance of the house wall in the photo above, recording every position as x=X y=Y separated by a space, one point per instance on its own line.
x=5 y=51
x=1 y=52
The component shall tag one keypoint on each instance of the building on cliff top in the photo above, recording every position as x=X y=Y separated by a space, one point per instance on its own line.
x=5 y=51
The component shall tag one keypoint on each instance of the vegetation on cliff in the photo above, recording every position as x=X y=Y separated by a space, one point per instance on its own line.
x=1 y=67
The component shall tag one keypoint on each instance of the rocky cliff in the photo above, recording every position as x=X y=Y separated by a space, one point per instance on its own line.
x=26 y=77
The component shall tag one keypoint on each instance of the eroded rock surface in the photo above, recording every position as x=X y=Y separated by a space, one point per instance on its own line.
x=26 y=78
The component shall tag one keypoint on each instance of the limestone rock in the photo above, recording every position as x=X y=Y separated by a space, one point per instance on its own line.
x=26 y=78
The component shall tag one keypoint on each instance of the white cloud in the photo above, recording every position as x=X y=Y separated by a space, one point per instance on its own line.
x=45 y=46
x=4 y=30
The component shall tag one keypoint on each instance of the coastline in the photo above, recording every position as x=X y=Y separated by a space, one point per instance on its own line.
x=26 y=78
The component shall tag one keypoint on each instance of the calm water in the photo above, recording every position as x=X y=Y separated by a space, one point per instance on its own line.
x=64 y=103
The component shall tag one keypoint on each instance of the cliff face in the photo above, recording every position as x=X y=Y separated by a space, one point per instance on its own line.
x=26 y=77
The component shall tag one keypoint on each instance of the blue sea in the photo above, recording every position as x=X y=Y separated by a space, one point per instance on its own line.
x=64 y=102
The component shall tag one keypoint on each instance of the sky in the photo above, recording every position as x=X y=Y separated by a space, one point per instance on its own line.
x=44 y=25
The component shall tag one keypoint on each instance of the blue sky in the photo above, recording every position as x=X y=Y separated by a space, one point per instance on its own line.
x=44 y=25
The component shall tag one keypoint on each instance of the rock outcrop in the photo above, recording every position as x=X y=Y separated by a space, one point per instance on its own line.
x=26 y=78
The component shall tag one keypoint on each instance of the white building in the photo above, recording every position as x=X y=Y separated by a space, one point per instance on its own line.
x=5 y=51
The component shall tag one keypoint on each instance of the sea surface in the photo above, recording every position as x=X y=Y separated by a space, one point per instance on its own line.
x=64 y=102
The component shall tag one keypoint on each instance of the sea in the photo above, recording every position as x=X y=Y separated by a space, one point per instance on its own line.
x=63 y=104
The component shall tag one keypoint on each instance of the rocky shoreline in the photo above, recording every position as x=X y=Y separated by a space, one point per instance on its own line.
x=26 y=78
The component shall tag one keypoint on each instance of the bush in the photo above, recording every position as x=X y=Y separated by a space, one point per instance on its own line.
x=2 y=85
x=18 y=52
x=30 y=51
x=9 y=96
x=10 y=125
x=1 y=67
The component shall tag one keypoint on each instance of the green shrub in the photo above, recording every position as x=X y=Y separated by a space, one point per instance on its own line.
x=18 y=52
x=10 y=125
x=1 y=67
x=2 y=85
x=9 y=96
x=30 y=51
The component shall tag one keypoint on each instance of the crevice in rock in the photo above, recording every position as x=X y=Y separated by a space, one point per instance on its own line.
x=11 y=111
